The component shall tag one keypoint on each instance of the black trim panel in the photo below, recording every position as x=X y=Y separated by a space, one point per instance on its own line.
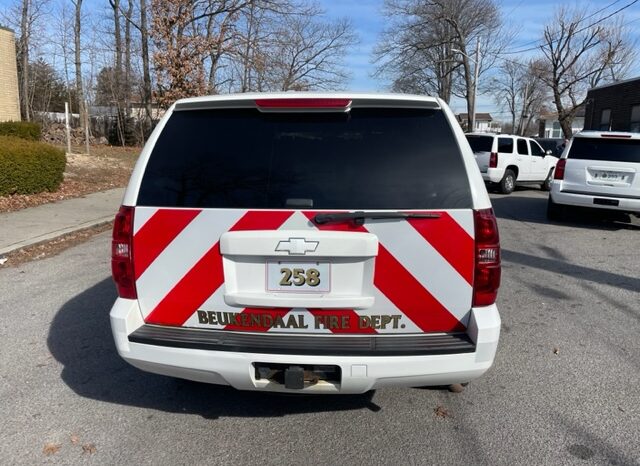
x=342 y=345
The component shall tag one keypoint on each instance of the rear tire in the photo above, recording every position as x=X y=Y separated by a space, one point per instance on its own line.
x=555 y=211
x=546 y=185
x=508 y=182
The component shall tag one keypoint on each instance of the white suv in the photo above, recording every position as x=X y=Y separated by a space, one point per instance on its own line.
x=509 y=160
x=598 y=170
x=307 y=243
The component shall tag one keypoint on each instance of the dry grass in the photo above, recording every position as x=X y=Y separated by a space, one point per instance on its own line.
x=105 y=168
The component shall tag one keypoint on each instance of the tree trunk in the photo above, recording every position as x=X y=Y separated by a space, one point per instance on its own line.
x=24 y=55
x=82 y=109
x=146 y=73
x=117 y=72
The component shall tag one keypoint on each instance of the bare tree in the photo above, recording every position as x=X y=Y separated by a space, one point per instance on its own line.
x=518 y=89
x=82 y=107
x=579 y=55
x=428 y=46
x=308 y=53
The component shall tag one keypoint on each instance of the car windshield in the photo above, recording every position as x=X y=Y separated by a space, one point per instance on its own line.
x=368 y=158
x=480 y=143
x=614 y=150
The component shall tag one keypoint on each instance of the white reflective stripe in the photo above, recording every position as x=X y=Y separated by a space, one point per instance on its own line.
x=384 y=306
x=141 y=216
x=464 y=218
x=426 y=264
x=297 y=221
x=182 y=254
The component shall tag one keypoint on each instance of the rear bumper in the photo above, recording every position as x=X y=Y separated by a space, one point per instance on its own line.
x=493 y=175
x=625 y=204
x=359 y=373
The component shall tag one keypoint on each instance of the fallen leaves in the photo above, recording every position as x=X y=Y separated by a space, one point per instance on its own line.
x=556 y=350
x=442 y=412
x=51 y=448
x=74 y=439
x=89 y=448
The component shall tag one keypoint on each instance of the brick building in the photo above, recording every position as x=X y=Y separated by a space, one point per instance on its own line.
x=9 y=100
x=614 y=107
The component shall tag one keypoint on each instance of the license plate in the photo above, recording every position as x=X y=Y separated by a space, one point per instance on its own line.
x=299 y=277
x=610 y=176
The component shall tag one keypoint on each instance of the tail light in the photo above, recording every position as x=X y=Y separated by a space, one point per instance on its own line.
x=558 y=173
x=486 y=279
x=493 y=160
x=122 y=254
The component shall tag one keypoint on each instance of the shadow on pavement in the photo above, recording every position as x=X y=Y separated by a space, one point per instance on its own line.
x=80 y=338
x=533 y=209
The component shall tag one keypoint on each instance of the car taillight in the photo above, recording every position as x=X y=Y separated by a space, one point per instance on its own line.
x=493 y=160
x=122 y=254
x=558 y=173
x=486 y=279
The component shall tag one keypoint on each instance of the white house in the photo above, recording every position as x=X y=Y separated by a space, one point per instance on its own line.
x=549 y=126
x=484 y=123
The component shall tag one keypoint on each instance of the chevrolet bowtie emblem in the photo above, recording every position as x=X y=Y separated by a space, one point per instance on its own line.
x=297 y=246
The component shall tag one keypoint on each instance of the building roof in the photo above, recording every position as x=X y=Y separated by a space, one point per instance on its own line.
x=479 y=117
x=624 y=81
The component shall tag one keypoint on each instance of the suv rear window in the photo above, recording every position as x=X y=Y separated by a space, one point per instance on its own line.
x=480 y=143
x=365 y=159
x=614 y=150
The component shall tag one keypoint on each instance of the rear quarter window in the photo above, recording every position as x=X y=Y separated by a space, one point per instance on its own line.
x=613 y=150
x=365 y=159
x=505 y=145
x=480 y=143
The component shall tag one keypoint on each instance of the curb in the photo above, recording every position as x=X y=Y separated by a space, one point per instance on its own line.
x=56 y=234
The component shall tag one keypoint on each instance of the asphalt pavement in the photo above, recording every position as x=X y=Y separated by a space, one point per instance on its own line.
x=565 y=387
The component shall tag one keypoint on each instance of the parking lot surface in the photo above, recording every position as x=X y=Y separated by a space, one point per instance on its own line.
x=565 y=387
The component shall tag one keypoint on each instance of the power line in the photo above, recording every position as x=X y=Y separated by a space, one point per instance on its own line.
x=513 y=52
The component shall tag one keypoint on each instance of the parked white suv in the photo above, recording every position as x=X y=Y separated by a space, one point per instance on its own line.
x=509 y=160
x=598 y=170
x=307 y=242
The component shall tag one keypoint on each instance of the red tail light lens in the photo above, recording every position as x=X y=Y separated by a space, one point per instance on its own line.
x=493 y=160
x=558 y=173
x=122 y=254
x=486 y=280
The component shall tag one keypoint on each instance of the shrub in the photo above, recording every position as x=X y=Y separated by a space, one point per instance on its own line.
x=28 y=167
x=21 y=129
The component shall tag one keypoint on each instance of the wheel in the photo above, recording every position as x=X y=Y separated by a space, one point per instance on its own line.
x=546 y=185
x=555 y=211
x=508 y=183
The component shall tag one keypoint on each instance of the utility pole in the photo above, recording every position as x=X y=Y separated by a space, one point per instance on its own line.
x=476 y=71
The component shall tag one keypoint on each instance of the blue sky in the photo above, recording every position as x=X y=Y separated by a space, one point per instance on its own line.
x=524 y=16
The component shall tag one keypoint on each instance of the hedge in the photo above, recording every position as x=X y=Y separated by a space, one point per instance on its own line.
x=28 y=167
x=21 y=129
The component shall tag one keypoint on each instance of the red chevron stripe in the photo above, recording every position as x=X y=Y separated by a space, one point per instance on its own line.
x=157 y=233
x=402 y=288
x=450 y=240
x=207 y=275
x=350 y=316
x=275 y=312
x=408 y=294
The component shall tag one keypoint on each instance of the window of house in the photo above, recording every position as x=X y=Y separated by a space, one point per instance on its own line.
x=605 y=119
x=634 y=124
x=557 y=131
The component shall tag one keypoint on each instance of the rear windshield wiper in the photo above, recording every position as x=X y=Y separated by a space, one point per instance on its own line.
x=359 y=217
